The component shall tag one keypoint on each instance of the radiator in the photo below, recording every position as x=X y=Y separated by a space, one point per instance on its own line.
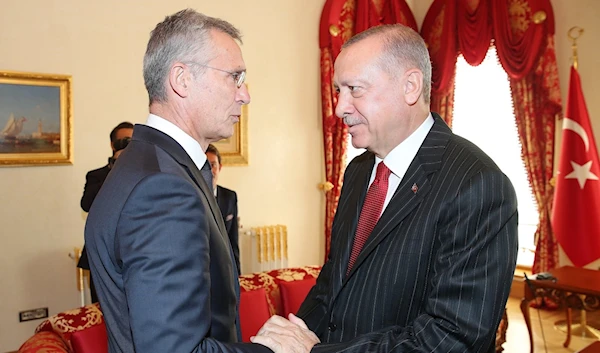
x=263 y=248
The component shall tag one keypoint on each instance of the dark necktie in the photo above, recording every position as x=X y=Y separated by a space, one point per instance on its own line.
x=207 y=174
x=371 y=210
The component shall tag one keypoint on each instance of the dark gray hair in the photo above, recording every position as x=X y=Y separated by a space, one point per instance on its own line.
x=183 y=36
x=402 y=48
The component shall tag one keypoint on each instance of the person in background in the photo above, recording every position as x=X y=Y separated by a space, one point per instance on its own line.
x=119 y=138
x=156 y=240
x=227 y=200
x=424 y=241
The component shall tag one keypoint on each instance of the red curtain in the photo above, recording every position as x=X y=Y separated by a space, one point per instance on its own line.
x=523 y=33
x=536 y=100
x=340 y=20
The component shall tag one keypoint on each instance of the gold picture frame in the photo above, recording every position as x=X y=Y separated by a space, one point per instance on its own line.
x=36 y=115
x=234 y=150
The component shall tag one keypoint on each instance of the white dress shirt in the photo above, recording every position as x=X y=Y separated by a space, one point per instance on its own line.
x=191 y=146
x=400 y=158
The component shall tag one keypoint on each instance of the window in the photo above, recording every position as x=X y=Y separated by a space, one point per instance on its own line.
x=483 y=114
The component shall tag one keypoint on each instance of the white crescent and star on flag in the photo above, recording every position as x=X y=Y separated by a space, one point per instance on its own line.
x=581 y=172
x=574 y=211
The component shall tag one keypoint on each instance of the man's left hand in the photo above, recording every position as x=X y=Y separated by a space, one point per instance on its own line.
x=286 y=336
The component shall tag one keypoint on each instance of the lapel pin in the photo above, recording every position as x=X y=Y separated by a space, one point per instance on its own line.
x=414 y=188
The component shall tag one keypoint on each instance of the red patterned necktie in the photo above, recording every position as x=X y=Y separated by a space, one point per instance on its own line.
x=371 y=210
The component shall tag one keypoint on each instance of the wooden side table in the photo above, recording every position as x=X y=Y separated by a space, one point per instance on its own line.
x=573 y=288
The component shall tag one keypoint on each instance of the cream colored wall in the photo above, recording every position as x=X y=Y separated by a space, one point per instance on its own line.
x=101 y=44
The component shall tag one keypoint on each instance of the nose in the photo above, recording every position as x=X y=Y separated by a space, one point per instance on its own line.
x=242 y=95
x=344 y=105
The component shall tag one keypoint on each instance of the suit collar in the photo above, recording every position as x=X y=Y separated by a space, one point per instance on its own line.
x=191 y=146
x=399 y=158
x=152 y=136
x=347 y=214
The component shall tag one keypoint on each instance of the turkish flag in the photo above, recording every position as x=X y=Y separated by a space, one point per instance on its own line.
x=576 y=211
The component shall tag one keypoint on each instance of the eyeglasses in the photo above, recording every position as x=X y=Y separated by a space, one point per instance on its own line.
x=238 y=77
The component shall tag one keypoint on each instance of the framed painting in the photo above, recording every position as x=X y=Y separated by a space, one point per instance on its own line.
x=35 y=119
x=234 y=150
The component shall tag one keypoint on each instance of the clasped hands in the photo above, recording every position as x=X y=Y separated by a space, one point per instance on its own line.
x=286 y=336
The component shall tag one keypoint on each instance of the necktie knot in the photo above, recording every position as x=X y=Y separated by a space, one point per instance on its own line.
x=382 y=173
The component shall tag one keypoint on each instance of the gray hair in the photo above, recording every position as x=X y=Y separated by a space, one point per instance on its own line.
x=402 y=48
x=183 y=36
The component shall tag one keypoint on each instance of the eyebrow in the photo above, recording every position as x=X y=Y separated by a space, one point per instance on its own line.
x=352 y=82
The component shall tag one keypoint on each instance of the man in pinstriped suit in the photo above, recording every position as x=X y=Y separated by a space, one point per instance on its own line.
x=435 y=271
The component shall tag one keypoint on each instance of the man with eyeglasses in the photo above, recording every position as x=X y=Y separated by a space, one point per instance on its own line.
x=166 y=276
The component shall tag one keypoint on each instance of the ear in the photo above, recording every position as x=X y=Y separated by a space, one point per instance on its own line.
x=413 y=86
x=179 y=79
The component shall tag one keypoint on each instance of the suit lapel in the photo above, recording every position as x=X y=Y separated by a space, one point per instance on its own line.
x=214 y=207
x=169 y=145
x=401 y=204
x=357 y=181
x=414 y=186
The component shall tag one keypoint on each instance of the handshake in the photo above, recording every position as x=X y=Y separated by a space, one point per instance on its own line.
x=286 y=336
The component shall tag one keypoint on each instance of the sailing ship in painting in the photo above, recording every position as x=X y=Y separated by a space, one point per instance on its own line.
x=12 y=140
x=13 y=127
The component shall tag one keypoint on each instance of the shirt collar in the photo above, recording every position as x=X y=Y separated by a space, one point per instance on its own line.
x=191 y=146
x=399 y=159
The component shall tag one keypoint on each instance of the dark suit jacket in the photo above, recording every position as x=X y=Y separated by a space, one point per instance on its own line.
x=160 y=256
x=227 y=200
x=436 y=271
x=93 y=181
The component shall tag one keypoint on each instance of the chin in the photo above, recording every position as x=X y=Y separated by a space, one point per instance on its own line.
x=226 y=134
x=357 y=142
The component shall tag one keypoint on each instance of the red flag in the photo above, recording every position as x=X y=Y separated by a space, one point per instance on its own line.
x=576 y=211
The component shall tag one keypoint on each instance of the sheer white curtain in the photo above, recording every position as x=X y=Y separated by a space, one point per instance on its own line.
x=483 y=114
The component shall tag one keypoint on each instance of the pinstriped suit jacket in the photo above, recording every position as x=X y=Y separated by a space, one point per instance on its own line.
x=435 y=273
